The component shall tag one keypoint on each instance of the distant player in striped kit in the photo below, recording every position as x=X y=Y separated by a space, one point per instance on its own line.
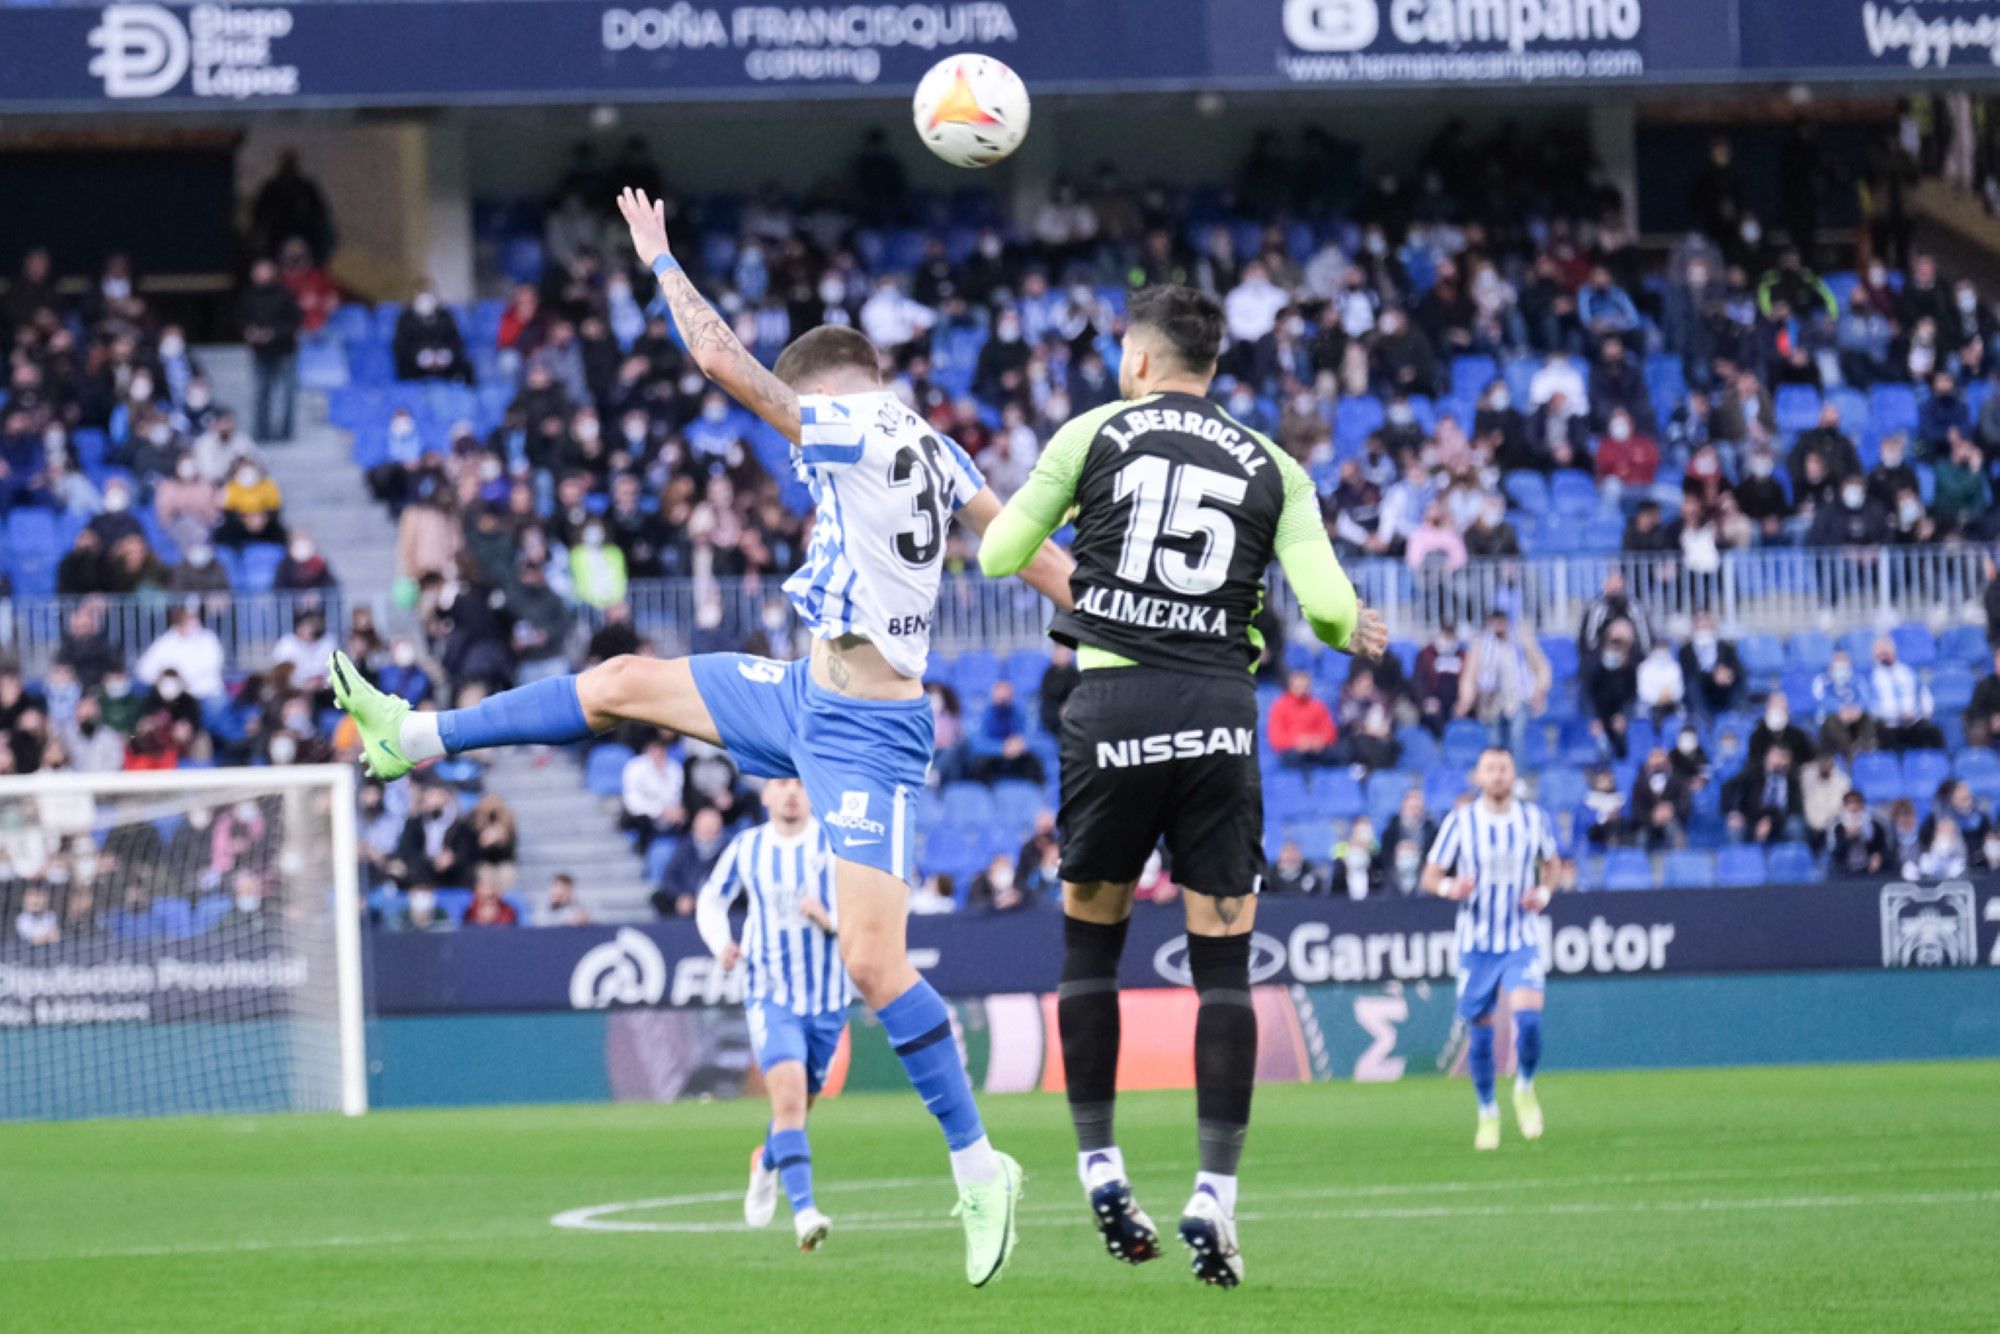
x=1497 y=858
x=796 y=992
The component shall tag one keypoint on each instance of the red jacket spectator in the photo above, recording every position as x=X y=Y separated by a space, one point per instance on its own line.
x=310 y=286
x=1299 y=721
x=1626 y=454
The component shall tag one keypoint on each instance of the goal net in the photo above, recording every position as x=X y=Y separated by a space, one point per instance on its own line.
x=180 y=942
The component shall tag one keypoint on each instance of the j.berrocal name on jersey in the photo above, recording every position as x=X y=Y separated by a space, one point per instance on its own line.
x=1215 y=430
x=1154 y=613
x=1189 y=745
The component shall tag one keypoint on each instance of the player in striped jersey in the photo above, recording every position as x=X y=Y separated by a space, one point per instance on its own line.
x=796 y=991
x=1497 y=857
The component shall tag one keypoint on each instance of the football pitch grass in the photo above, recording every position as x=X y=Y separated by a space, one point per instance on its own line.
x=1813 y=1197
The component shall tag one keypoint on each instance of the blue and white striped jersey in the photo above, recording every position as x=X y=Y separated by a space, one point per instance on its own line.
x=1500 y=851
x=790 y=961
x=884 y=487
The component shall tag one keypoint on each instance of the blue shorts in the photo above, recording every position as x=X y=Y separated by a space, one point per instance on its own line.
x=778 y=1035
x=1482 y=976
x=863 y=761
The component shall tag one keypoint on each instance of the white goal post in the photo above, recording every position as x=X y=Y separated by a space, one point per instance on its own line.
x=179 y=942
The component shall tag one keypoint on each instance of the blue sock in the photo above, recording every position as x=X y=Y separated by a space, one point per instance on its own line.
x=1479 y=1061
x=788 y=1151
x=547 y=713
x=770 y=1159
x=919 y=1028
x=1527 y=1043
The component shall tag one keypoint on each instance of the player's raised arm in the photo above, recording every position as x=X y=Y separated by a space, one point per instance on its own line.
x=1047 y=568
x=1326 y=595
x=710 y=341
x=1015 y=539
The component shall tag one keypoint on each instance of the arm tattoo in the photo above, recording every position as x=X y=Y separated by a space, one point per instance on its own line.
x=721 y=355
x=1229 y=907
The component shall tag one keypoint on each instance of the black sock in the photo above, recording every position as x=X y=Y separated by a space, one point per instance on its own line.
x=1087 y=1015
x=1225 y=1047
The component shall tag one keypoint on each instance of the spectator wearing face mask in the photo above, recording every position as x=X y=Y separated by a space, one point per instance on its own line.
x=304 y=568
x=1900 y=703
x=251 y=506
x=403 y=675
x=1610 y=685
x=1711 y=668
x=1823 y=787
x=188 y=649
x=1354 y=860
x=1853 y=522
x=1776 y=728
x=1662 y=685
x=1291 y=873
x=1626 y=456
x=186 y=505
x=1955 y=804
x=1504 y=681
x=690 y=865
x=596 y=568
x=1857 y=845
x=1490 y=534
x=1660 y=802
x=1944 y=854
x=307 y=650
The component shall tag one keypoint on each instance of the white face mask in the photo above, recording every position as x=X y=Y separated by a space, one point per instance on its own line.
x=593 y=536
x=246 y=477
x=1968 y=302
x=1689 y=744
x=170 y=689
x=1775 y=719
x=142 y=387
x=1620 y=429
x=1762 y=467
x=586 y=430
x=1909 y=511
x=1852 y=497
x=425 y=305
x=302 y=552
x=116 y=501
x=831 y=291
x=404 y=654
x=1500 y=401
x=200 y=557
x=714 y=412
x=171 y=346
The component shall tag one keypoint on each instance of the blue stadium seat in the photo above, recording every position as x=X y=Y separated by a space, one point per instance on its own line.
x=657 y=857
x=1561 y=788
x=1809 y=650
x=1573 y=493
x=1965 y=645
x=975 y=672
x=1529 y=492
x=1339 y=795
x=1471 y=373
x=1915 y=646
x=1560 y=650
x=1980 y=769
x=1741 y=864
x=604 y=769
x=1892 y=407
x=1951 y=690
x=260 y=567
x=1797 y=407
x=1879 y=776
x=1860 y=646
x=1025 y=669
x=1017 y=803
x=1792 y=864
x=1385 y=791
x=1763 y=655
x=34 y=549
x=968 y=804
x=1463 y=740
x=1287 y=796
x=1420 y=748
x=1442 y=788
x=1688 y=869
x=1924 y=770
x=1627 y=868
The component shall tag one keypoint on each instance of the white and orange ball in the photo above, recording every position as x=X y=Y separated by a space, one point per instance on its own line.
x=971 y=110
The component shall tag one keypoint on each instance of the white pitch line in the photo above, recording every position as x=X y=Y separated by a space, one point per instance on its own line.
x=592 y=1220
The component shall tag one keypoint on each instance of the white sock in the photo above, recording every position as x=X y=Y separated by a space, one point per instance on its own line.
x=1523 y=1085
x=1223 y=1188
x=418 y=737
x=974 y=1165
x=1489 y=1109
x=1088 y=1156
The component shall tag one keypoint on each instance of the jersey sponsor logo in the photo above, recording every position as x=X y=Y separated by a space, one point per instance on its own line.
x=1188 y=745
x=853 y=814
x=909 y=625
x=764 y=673
x=1929 y=926
x=1249 y=455
x=628 y=969
x=1153 y=613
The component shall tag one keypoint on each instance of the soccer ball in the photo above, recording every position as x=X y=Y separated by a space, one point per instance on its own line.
x=971 y=110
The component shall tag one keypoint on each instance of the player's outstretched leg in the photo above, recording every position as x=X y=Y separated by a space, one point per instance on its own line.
x=1527 y=1056
x=874 y=907
x=1479 y=1063
x=558 y=711
x=1087 y=1016
x=1225 y=1072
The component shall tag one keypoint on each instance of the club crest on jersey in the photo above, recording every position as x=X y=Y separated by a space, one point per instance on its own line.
x=853 y=814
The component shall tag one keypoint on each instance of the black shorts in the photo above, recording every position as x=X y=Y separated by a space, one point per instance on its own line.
x=1147 y=753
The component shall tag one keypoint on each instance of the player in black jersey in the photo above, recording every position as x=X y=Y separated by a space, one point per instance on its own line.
x=1179 y=510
